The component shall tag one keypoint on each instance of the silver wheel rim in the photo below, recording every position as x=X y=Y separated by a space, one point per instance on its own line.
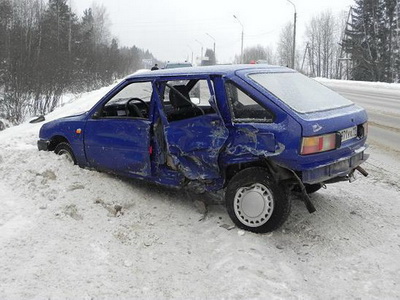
x=67 y=155
x=254 y=205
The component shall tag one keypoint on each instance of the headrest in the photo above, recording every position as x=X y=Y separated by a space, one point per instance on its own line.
x=176 y=99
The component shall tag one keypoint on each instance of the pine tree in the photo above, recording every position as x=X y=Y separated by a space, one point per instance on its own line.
x=56 y=50
x=210 y=58
x=371 y=42
x=85 y=60
x=392 y=42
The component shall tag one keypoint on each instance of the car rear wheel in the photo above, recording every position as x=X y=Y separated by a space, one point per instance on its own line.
x=255 y=202
x=66 y=150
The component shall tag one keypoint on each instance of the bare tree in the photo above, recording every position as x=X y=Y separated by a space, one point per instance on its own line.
x=45 y=51
x=101 y=24
x=285 y=45
x=256 y=53
x=322 y=45
x=259 y=53
x=17 y=31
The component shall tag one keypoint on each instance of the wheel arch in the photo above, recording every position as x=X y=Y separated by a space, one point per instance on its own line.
x=55 y=140
x=278 y=172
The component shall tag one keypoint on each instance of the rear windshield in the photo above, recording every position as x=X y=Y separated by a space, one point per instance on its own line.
x=301 y=93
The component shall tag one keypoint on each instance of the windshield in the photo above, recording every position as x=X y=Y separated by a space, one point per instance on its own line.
x=301 y=93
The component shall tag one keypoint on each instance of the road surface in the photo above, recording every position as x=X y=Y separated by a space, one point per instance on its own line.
x=383 y=108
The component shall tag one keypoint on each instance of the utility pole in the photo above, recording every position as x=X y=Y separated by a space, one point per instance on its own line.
x=345 y=57
x=304 y=58
x=241 y=51
x=191 y=50
x=294 y=34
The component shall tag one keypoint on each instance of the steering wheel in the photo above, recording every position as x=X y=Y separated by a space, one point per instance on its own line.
x=137 y=112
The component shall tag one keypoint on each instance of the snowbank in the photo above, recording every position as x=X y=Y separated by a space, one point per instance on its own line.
x=361 y=84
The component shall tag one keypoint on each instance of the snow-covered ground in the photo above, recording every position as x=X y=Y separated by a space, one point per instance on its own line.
x=67 y=232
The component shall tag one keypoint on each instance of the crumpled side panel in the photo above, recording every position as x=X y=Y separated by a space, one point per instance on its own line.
x=250 y=140
x=195 y=144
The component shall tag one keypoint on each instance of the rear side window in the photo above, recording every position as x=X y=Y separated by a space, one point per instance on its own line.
x=244 y=108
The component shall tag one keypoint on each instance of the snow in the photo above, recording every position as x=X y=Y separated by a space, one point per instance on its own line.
x=72 y=233
x=361 y=84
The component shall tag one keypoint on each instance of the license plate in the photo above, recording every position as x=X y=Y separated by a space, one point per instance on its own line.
x=348 y=133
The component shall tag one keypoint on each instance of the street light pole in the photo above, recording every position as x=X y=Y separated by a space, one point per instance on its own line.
x=294 y=34
x=191 y=52
x=201 y=54
x=215 y=55
x=241 y=51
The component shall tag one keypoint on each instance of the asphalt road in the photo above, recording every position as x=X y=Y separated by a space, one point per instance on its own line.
x=383 y=108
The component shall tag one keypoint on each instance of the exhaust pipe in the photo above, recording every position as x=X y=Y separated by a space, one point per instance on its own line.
x=362 y=171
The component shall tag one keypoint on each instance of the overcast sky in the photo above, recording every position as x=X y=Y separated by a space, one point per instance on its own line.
x=173 y=29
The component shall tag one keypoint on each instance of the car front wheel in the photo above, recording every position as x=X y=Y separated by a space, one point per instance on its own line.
x=255 y=202
x=66 y=150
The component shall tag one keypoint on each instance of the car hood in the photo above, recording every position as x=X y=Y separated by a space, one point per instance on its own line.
x=74 y=117
x=54 y=125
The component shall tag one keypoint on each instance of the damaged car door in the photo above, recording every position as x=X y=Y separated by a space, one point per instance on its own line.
x=194 y=130
x=255 y=126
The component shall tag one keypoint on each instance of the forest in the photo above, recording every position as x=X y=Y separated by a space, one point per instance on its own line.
x=372 y=40
x=46 y=51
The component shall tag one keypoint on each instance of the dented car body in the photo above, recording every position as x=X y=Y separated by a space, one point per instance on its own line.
x=257 y=132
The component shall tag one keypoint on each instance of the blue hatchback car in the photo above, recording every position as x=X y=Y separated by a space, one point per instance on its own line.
x=257 y=132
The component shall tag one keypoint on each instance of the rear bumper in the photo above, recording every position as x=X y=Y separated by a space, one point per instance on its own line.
x=340 y=168
x=43 y=145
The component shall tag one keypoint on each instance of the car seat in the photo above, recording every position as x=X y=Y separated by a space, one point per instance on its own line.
x=183 y=107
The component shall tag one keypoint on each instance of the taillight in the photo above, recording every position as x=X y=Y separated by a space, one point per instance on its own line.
x=321 y=143
x=362 y=130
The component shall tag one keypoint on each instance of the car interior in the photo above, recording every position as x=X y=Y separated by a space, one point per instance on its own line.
x=183 y=101
x=126 y=107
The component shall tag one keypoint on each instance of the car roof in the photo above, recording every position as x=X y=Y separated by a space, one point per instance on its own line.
x=215 y=70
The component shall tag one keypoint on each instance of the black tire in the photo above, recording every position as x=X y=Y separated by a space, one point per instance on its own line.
x=255 y=202
x=65 y=149
x=312 y=188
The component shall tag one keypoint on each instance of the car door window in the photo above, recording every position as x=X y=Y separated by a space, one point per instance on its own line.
x=185 y=99
x=133 y=101
x=244 y=108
